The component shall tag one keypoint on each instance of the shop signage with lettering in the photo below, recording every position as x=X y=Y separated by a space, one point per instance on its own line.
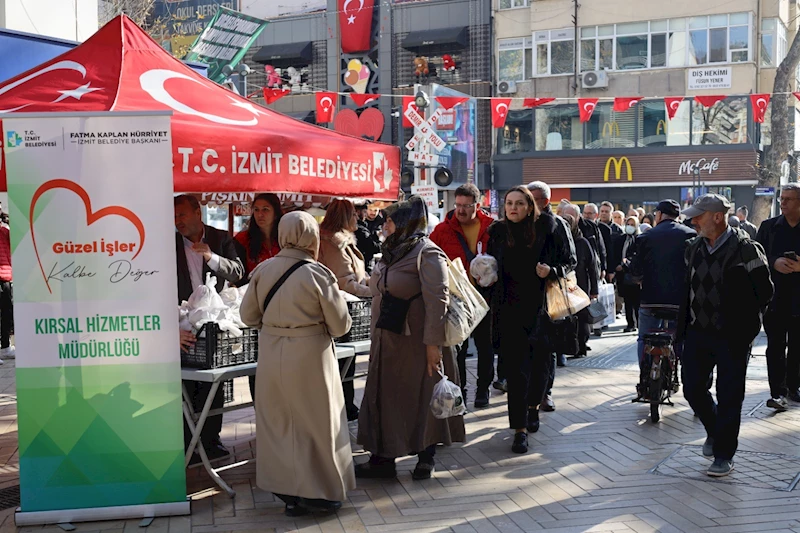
x=698 y=79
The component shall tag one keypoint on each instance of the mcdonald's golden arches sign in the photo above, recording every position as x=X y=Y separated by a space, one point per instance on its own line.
x=613 y=127
x=618 y=164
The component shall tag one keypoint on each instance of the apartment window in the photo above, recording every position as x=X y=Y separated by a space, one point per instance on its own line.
x=667 y=43
x=511 y=4
x=773 y=42
x=555 y=52
x=511 y=59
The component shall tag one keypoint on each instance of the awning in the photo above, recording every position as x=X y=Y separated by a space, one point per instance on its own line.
x=285 y=55
x=443 y=36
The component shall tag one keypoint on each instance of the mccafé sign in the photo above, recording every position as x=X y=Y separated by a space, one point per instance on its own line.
x=636 y=167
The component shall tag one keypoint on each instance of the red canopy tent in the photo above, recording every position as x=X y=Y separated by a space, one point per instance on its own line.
x=221 y=141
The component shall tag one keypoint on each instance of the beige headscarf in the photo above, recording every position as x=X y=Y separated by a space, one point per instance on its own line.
x=300 y=231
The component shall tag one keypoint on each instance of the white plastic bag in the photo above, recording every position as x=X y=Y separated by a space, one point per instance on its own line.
x=447 y=400
x=484 y=269
x=606 y=296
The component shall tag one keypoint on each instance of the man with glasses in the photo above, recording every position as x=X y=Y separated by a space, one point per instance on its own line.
x=780 y=237
x=463 y=234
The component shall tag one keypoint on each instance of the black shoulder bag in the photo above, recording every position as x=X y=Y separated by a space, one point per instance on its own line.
x=281 y=280
x=393 y=310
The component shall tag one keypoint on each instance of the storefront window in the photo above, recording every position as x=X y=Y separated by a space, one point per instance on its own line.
x=558 y=128
x=609 y=129
x=517 y=135
x=655 y=129
x=723 y=123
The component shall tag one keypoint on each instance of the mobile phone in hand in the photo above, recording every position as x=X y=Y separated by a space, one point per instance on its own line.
x=790 y=255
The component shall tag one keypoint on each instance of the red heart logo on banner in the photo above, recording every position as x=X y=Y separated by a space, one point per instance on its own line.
x=91 y=217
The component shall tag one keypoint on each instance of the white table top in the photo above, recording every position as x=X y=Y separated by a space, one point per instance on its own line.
x=247 y=369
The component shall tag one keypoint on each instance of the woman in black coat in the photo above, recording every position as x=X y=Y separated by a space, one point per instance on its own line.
x=586 y=275
x=527 y=253
x=629 y=290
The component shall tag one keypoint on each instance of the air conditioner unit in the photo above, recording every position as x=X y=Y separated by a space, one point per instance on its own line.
x=594 y=79
x=507 y=87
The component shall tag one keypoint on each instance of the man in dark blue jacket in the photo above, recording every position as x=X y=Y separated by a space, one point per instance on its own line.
x=659 y=263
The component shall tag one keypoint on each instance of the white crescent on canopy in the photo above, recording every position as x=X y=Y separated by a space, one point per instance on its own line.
x=61 y=65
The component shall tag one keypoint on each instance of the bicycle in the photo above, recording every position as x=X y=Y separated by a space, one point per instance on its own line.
x=658 y=378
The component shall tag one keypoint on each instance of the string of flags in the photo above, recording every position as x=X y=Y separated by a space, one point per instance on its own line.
x=326 y=104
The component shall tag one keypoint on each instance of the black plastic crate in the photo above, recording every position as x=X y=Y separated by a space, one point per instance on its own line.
x=361 y=313
x=227 y=390
x=215 y=348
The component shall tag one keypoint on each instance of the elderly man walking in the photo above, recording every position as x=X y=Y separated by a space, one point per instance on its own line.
x=728 y=287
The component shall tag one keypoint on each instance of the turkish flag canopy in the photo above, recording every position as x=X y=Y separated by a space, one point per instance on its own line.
x=500 y=111
x=672 y=104
x=221 y=142
x=355 y=25
x=760 y=103
x=586 y=107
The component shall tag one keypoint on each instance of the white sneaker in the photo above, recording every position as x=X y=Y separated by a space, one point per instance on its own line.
x=8 y=353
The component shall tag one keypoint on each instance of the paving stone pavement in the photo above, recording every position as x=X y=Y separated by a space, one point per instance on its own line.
x=597 y=464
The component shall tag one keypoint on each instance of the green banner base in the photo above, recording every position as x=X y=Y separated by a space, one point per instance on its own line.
x=122 y=512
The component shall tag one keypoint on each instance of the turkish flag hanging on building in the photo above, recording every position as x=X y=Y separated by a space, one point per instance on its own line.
x=363 y=99
x=534 y=102
x=500 y=111
x=760 y=103
x=708 y=101
x=274 y=94
x=355 y=25
x=623 y=104
x=672 y=104
x=586 y=107
x=326 y=105
x=408 y=101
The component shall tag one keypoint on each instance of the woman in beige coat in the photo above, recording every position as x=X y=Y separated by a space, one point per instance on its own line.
x=337 y=251
x=303 y=445
x=396 y=418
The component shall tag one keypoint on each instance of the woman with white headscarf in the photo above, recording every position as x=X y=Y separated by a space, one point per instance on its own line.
x=303 y=445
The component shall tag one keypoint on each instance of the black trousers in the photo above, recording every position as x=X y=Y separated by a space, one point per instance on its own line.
x=703 y=351
x=6 y=313
x=783 y=366
x=632 y=297
x=199 y=392
x=482 y=335
x=552 y=374
x=348 y=387
x=527 y=370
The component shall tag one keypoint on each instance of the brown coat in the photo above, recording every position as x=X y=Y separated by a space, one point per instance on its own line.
x=396 y=417
x=338 y=252
x=302 y=438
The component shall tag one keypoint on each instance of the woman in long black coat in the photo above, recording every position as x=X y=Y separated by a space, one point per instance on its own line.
x=527 y=253
x=629 y=290
x=586 y=275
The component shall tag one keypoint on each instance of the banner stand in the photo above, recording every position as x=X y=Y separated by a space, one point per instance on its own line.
x=124 y=512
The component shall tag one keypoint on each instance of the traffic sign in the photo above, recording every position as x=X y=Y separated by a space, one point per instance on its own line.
x=424 y=130
x=422 y=157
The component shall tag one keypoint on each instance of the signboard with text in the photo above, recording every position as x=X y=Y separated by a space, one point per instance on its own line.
x=95 y=298
x=698 y=79
x=177 y=23
x=429 y=194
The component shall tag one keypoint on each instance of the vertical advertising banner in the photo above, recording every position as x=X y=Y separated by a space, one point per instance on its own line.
x=98 y=367
x=225 y=41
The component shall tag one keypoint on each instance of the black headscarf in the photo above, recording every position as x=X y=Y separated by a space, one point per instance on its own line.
x=411 y=222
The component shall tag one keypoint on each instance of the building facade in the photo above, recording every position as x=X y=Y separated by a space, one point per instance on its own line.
x=304 y=46
x=607 y=48
x=75 y=20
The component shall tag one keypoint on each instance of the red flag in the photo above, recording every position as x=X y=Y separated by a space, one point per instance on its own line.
x=408 y=101
x=363 y=99
x=796 y=95
x=355 y=25
x=274 y=94
x=708 y=101
x=672 y=105
x=623 y=104
x=500 y=111
x=760 y=103
x=586 y=107
x=449 y=102
x=533 y=102
x=326 y=105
